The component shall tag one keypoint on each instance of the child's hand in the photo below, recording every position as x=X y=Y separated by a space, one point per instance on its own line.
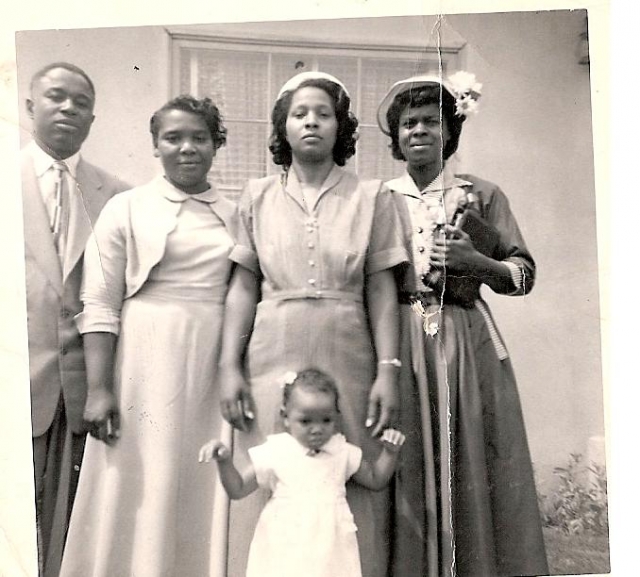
x=392 y=440
x=214 y=450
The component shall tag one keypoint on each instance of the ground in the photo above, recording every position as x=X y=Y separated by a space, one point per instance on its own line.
x=580 y=553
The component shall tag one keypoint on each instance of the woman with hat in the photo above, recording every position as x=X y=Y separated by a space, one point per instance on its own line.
x=314 y=286
x=466 y=502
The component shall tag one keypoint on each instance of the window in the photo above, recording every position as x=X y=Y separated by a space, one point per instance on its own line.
x=244 y=77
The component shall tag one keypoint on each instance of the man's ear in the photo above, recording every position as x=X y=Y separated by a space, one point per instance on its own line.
x=29 y=106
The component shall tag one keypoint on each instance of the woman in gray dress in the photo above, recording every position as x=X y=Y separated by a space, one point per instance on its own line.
x=314 y=286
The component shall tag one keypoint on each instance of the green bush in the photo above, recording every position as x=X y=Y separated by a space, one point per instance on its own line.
x=579 y=503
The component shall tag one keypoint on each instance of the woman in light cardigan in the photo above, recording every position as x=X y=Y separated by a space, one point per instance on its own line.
x=156 y=275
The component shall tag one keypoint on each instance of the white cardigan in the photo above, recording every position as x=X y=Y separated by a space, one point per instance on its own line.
x=128 y=240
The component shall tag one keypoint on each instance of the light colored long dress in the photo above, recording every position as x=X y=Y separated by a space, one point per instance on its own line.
x=145 y=506
x=306 y=527
x=313 y=263
x=465 y=500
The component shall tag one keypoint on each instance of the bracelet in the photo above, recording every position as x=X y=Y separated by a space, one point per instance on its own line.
x=395 y=362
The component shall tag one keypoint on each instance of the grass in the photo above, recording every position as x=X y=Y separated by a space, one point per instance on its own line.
x=576 y=554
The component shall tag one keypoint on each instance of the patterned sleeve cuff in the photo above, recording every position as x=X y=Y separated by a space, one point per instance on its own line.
x=516 y=277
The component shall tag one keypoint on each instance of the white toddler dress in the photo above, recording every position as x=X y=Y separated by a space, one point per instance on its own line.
x=306 y=527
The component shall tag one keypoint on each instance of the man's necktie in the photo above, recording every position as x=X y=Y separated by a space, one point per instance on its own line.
x=60 y=217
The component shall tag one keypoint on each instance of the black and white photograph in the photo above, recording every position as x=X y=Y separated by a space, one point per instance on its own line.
x=311 y=295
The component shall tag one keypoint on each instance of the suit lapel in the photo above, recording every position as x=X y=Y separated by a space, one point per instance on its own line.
x=37 y=232
x=85 y=203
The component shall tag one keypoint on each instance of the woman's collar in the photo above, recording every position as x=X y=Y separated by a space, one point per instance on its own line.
x=444 y=181
x=174 y=194
x=332 y=178
x=293 y=187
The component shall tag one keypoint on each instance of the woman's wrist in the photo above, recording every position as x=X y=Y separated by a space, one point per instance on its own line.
x=388 y=376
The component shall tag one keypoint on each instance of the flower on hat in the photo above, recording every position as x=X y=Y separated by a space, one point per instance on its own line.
x=466 y=91
x=466 y=106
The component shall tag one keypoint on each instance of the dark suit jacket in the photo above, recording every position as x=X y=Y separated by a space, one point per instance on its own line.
x=56 y=357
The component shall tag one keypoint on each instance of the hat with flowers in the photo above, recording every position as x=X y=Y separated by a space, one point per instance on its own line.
x=462 y=86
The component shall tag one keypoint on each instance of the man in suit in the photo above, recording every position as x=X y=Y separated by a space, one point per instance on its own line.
x=62 y=197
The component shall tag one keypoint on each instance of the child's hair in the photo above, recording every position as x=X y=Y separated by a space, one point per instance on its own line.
x=312 y=380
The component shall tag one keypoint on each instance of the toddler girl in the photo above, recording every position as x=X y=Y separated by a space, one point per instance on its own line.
x=306 y=528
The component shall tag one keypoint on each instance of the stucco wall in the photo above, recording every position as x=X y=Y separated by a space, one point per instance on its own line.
x=532 y=136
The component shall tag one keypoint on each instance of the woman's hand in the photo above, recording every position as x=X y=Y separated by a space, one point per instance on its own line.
x=383 y=402
x=455 y=251
x=214 y=450
x=101 y=416
x=392 y=440
x=236 y=401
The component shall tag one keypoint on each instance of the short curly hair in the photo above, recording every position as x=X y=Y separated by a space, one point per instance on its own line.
x=345 y=146
x=423 y=96
x=205 y=108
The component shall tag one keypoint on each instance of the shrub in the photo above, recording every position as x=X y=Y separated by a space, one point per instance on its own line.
x=578 y=504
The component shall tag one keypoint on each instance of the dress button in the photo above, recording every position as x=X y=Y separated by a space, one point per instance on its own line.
x=63 y=351
x=64 y=313
x=420 y=249
x=312 y=281
x=311 y=245
x=419 y=230
x=312 y=263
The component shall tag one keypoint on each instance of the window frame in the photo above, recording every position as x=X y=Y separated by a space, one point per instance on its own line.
x=448 y=57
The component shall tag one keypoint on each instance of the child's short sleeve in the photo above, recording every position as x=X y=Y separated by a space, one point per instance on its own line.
x=262 y=459
x=354 y=458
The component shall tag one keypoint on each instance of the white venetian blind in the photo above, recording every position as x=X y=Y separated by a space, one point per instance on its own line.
x=244 y=79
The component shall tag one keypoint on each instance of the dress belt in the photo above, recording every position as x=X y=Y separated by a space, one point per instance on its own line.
x=294 y=294
x=426 y=298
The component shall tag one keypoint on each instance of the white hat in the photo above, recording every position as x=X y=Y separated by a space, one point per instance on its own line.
x=298 y=79
x=462 y=86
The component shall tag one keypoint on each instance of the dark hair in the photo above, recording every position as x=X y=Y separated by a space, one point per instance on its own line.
x=345 y=146
x=312 y=380
x=204 y=108
x=66 y=66
x=422 y=96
